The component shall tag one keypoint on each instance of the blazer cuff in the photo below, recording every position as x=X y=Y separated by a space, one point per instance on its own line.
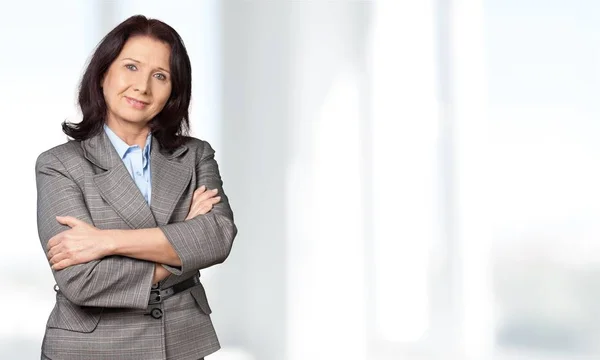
x=175 y=270
x=200 y=242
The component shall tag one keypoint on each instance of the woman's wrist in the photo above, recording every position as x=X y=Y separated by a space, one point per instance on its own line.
x=111 y=242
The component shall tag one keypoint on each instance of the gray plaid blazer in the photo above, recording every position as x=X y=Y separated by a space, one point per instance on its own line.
x=101 y=305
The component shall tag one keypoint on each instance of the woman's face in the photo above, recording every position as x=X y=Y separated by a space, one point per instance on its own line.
x=137 y=84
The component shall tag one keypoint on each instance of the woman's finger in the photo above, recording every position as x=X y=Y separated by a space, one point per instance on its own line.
x=55 y=240
x=209 y=202
x=57 y=258
x=51 y=253
x=203 y=203
x=197 y=203
x=207 y=195
x=62 y=264
x=199 y=196
x=197 y=193
x=200 y=190
x=71 y=221
x=195 y=199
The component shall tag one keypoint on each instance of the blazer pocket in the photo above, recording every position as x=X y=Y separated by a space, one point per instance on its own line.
x=200 y=296
x=69 y=316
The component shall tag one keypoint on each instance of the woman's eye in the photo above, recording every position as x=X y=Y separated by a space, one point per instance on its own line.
x=131 y=67
x=160 y=76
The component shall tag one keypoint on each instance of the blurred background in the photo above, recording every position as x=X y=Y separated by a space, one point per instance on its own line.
x=411 y=179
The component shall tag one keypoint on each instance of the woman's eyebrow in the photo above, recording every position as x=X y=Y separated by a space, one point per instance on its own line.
x=137 y=61
x=134 y=60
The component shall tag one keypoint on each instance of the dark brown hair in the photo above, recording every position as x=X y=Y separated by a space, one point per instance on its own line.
x=172 y=123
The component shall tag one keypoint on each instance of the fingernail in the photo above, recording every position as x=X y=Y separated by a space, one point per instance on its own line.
x=215 y=190
x=202 y=187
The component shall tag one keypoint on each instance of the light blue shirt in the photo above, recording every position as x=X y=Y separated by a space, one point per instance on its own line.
x=135 y=160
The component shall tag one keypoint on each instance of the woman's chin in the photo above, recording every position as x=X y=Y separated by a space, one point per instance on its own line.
x=133 y=119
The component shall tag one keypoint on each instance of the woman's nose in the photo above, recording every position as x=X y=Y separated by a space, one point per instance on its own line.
x=142 y=84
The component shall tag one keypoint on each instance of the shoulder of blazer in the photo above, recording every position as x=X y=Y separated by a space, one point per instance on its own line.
x=67 y=156
x=196 y=146
x=193 y=143
x=65 y=153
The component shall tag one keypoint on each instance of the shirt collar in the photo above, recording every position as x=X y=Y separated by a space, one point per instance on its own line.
x=122 y=147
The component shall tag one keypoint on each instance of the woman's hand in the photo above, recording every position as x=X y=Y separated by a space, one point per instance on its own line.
x=80 y=244
x=202 y=201
x=160 y=273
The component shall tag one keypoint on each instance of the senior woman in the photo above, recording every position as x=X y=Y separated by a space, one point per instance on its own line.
x=131 y=208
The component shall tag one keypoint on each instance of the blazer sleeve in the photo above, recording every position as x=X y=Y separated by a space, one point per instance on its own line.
x=204 y=240
x=113 y=281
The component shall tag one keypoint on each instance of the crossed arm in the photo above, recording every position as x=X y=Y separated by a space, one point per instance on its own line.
x=111 y=268
x=83 y=242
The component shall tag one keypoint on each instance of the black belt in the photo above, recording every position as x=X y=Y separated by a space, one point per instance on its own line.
x=158 y=295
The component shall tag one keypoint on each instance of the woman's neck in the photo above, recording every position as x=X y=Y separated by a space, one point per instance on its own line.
x=131 y=134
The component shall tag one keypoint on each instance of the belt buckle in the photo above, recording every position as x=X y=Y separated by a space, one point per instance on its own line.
x=154 y=297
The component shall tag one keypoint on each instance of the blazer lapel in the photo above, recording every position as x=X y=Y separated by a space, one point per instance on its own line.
x=115 y=184
x=171 y=176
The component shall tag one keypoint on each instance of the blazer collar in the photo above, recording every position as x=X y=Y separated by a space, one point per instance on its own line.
x=99 y=150
x=119 y=190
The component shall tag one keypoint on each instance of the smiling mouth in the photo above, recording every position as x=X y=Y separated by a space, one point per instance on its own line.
x=136 y=103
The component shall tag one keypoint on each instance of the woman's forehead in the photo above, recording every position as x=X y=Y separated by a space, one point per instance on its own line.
x=147 y=50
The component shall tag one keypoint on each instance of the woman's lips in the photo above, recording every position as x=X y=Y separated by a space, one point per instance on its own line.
x=136 y=103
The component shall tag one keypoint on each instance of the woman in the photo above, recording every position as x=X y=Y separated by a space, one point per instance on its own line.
x=131 y=208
